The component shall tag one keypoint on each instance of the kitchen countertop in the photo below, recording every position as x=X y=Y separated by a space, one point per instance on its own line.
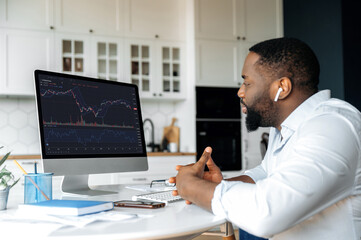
x=150 y=154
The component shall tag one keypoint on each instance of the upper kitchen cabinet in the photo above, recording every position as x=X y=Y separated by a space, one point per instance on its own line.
x=90 y=16
x=218 y=63
x=24 y=51
x=72 y=53
x=107 y=58
x=218 y=19
x=155 y=19
x=25 y=14
x=250 y=20
x=263 y=20
x=157 y=67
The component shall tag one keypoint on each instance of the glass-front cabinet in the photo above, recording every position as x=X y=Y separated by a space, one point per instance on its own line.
x=140 y=68
x=106 y=62
x=157 y=69
x=171 y=69
x=73 y=54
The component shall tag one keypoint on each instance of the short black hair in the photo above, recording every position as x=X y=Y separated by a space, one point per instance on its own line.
x=292 y=58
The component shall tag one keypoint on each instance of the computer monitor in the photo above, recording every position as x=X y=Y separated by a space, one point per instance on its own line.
x=88 y=126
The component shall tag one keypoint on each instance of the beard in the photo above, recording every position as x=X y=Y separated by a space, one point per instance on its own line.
x=262 y=114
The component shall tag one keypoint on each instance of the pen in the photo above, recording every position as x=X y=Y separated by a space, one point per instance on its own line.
x=31 y=180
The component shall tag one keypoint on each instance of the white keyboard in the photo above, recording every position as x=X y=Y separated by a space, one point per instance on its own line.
x=164 y=196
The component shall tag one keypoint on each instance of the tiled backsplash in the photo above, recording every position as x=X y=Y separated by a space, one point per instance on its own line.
x=19 y=126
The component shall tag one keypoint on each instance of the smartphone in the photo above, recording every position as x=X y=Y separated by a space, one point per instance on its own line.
x=138 y=204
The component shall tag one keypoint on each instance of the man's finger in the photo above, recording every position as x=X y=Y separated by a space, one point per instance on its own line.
x=175 y=193
x=205 y=156
x=211 y=164
x=180 y=166
x=172 y=180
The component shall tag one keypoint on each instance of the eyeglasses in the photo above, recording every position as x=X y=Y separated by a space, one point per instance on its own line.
x=164 y=182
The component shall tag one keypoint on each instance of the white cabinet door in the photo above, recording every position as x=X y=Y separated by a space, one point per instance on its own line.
x=218 y=19
x=89 y=16
x=163 y=19
x=262 y=19
x=25 y=14
x=251 y=20
x=73 y=53
x=107 y=58
x=140 y=67
x=25 y=51
x=170 y=75
x=157 y=68
x=218 y=63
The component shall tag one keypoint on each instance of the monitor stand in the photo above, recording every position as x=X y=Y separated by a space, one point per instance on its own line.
x=78 y=184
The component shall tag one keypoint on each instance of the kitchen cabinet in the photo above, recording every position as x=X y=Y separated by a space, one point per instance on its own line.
x=25 y=14
x=156 y=19
x=107 y=58
x=219 y=63
x=89 y=16
x=263 y=20
x=24 y=51
x=157 y=67
x=225 y=30
x=250 y=20
x=218 y=19
x=90 y=55
x=73 y=53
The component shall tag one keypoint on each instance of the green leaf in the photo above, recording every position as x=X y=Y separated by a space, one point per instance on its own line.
x=4 y=158
x=12 y=185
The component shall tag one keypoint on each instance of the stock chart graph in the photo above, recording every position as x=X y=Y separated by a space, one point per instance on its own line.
x=82 y=117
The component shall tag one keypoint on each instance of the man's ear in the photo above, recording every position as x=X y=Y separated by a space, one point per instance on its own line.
x=281 y=88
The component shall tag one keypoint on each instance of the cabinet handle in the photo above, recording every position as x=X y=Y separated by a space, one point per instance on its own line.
x=243 y=38
x=238 y=38
x=154 y=94
x=156 y=36
x=160 y=94
x=91 y=30
x=51 y=27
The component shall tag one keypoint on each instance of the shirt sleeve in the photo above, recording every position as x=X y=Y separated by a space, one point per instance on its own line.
x=318 y=172
x=256 y=173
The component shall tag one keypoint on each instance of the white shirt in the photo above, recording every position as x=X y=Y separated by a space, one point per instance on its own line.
x=308 y=185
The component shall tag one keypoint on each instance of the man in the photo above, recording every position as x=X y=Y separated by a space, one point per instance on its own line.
x=308 y=185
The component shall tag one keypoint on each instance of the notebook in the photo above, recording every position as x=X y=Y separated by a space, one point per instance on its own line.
x=65 y=207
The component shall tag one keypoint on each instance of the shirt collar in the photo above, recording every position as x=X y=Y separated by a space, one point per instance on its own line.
x=303 y=110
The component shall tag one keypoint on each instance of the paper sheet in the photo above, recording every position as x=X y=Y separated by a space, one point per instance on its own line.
x=60 y=221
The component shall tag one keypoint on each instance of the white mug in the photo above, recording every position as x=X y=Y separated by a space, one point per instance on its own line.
x=173 y=147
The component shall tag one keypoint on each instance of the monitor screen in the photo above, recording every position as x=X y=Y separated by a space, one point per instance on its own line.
x=89 y=125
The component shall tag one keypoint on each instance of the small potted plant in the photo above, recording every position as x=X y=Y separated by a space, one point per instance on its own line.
x=7 y=181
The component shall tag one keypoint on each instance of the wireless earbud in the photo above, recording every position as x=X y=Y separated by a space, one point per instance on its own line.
x=278 y=94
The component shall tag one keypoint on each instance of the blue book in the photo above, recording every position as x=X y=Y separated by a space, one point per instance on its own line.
x=66 y=207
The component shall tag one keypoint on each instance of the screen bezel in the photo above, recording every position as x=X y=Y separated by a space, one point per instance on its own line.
x=92 y=155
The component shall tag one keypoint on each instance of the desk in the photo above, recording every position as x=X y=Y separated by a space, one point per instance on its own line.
x=175 y=221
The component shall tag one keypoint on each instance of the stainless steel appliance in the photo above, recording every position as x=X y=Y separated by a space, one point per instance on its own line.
x=218 y=124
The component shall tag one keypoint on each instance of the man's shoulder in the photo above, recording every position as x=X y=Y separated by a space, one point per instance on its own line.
x=338 y=108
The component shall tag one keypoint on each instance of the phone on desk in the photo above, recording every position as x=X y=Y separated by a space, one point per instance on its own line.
x=138 y=204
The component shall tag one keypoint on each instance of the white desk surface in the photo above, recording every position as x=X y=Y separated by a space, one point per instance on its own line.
x=175 y=221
